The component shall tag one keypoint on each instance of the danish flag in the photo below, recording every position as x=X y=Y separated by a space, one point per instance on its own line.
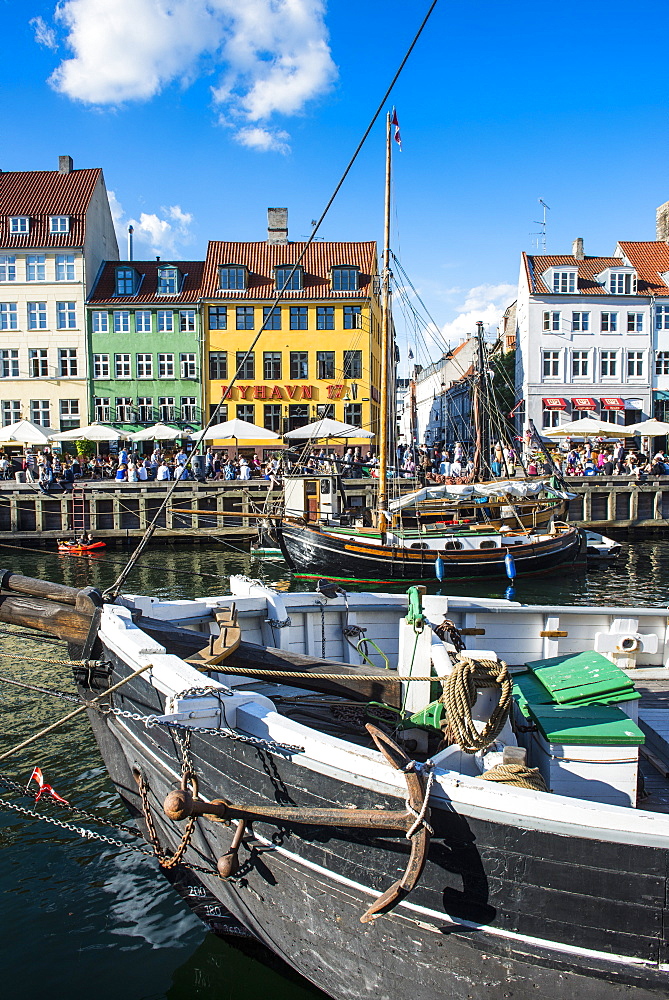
x=45 y=789
x=397 y=137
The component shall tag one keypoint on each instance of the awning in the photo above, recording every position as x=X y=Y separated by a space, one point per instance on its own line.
x=612 y=403
x=554 y=403
x=582 y=403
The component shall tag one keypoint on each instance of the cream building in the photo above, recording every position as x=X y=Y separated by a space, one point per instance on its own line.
x=56 y=230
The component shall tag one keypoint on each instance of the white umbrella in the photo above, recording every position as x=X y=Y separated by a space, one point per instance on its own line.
x=26 y=432
x=158 y=432
x=93 y=432
x=240 y=430
x=648 y=428
x=588 y=427
x=328 y=428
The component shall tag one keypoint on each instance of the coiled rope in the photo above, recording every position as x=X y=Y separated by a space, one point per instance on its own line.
x=459 y=697
x=517 y=774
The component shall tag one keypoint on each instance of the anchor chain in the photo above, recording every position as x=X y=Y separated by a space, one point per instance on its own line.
x=175 y=859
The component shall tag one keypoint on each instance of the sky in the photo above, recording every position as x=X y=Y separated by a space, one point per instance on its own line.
x=202 y=113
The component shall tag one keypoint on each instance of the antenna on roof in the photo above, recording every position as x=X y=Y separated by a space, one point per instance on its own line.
x=540 y=236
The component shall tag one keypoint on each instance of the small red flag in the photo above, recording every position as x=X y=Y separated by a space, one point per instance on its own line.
x=45 y=789
x=397 y=137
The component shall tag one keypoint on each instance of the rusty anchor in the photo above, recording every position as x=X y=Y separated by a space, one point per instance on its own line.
x=181 y=803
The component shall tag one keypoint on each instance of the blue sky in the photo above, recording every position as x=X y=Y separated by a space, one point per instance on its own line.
x=203 y=118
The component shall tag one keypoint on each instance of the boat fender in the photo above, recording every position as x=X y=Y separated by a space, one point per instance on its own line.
x=510 y=566
x=439 y=568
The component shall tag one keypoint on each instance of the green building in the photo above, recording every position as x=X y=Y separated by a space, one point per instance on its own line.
x=145 y=344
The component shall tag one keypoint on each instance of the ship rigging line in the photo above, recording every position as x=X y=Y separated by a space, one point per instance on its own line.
x=112 y=592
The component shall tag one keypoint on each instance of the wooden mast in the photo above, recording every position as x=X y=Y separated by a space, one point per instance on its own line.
x=385 y=344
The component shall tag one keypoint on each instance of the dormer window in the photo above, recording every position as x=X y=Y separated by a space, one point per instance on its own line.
x=126 y=280
x=285 y=281
x=19 y=224
x=622 y=283
x=345 y=279
x=168 y=281
x=59 y=223
x=565 y=282
x=232 y=278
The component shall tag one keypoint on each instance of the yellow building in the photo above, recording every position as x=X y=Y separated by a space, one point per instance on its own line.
x=319 y=353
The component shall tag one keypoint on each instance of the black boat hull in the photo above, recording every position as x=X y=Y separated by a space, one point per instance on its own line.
x=312 y=552
x=501 y=910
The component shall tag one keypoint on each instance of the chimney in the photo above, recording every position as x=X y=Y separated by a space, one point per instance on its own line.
x=65 y=164
x=577 y=248
x=662 y=223
x=277 y=225
x=130 y=232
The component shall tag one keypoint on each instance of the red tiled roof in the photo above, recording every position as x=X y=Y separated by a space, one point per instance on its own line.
x=103 y=292
x=650 y=259
x=260 y=259
x=587 y=269
x=40 y=194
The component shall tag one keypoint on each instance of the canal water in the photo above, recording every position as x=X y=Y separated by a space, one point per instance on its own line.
x=84 y=919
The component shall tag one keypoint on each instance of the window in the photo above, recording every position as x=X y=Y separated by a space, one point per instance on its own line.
x=122 y=365
x=352 y=317
x=299 y=365
x=8 y=316
x=39 y=412
x=37 y=315
x=232 y=278
x=662 y=363
x=165 y=366
x=298 y=416
x=100 y=322
x=38 y=362
x=35 y=267
x=165 y=321
x=218 y=364
x=101 y=409
x=19 y=224
x=168 y=281
x=353 y=414
x=7 y=267
x=609 y=322
x=11 y=411
x=635 y=364
x=298 y=317
x=187 y=320
x=272 y=417
x=287 y=281
x=580 y=322
x=124 y=414
x=67 y=361
x=325 y=364
x=352 y=364
x=125 y=280
x=9 y=364
x=69 y=414
x=622 y=283
x=661 y=313
x=188 y=366
x=66 y=315
x=635 y=322
x=144 y=363
x=143 y=321
x=609 y=363
x=244 y=317
x=122 y=321
x=551 y=322
x=189 y=409
x=144 y=409
x=564 y=281
x=245 y=366
x=324 y=410
x=219 y=411
x=325 y=317
x=246 y=411
x=166 y=411
x=271 y=361
x=551 y=366
x=100 y=366
x=271 y=317
x=218 y=317
x=550 y=418
x=59 y=224
x=579 y=364
x=65 y=267
x=345 y=279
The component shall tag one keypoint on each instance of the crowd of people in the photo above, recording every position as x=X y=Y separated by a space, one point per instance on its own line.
x=609 y=460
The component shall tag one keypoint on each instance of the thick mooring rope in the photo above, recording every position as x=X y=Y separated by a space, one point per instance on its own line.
x=459 y=696
x=517 y=774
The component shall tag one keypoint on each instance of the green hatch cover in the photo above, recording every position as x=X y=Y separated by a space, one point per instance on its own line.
x=587 y=725
x=582 y=679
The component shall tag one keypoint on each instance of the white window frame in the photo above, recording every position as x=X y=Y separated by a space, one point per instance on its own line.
x=609 y=322
x=122 y=366
x=609 y=359
x=11 y=411
x=38 y=358
x=9 y=363
x=144 y=409
x=661 y=317
x=69 y=411
x=189 y=409
x=100 y=366
x=59 y=223
x=622 y=283
x=7 y=267
x=550 y=418
x=102 y=409
x=37 y=316
x=40 y=412
x=143 y=321
x=188 y=364
x=9 y=317
x=165 y=319
x=550 y=359
x=165 y=366
x=19 y=224
x=580 y=359
x=580 y=322
x=662 y=363
x=124 y=408
x=166 y=409
x=100 y=321
x=187 y=320
x=121 y=321
x=36 y=267
x=144 y=363
x=552 y=321
x=65 y=267
x=635 y=322
x=635 y=359
x=66 y=315
x=565 y=282
x=68 y=365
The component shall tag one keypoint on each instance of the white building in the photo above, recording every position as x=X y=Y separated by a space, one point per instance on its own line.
x=56 y=230
x=425 y=417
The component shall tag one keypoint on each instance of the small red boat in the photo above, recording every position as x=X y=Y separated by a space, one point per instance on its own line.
x=79 y=548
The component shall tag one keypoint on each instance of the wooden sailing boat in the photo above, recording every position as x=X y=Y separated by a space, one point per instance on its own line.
x=390 y=549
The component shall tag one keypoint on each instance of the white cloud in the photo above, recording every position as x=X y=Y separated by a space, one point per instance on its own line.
x=166 y=234
x=483 y=302
x=44 y=35
x=272 y=55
